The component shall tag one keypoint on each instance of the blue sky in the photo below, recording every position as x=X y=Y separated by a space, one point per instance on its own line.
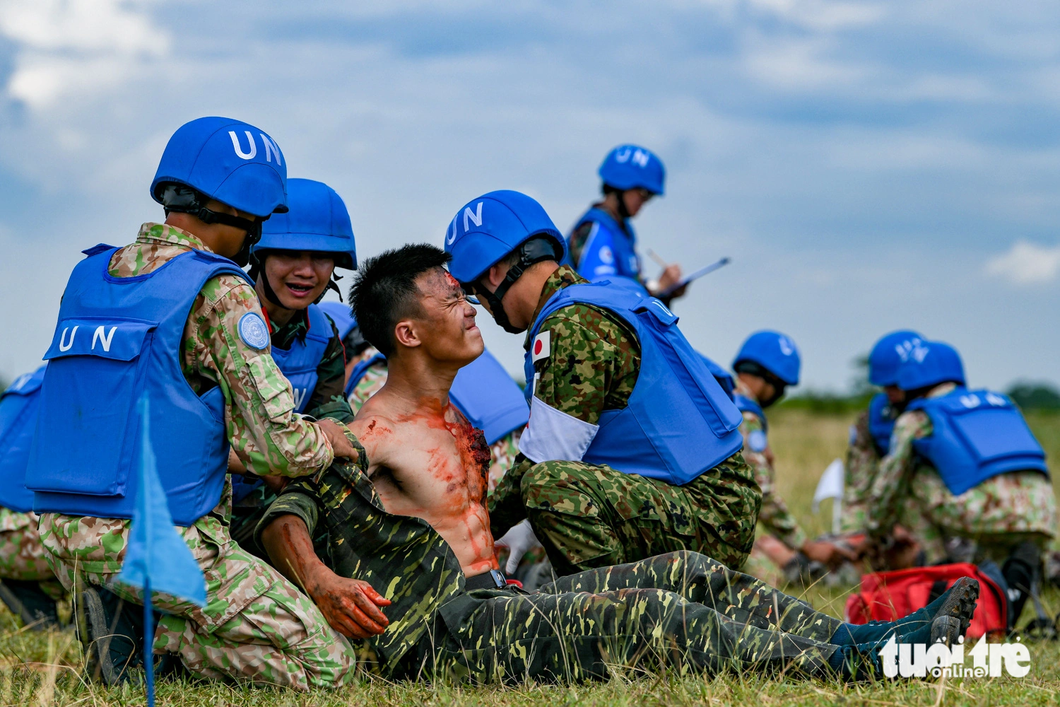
x=867 y=166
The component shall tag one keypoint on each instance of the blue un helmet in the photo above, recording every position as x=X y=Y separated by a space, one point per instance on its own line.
x=929 y=363
x=886 y=356
x=489 y=228
x=772 y=351
x=317 y=221
x=227 y=160
x=633 y=167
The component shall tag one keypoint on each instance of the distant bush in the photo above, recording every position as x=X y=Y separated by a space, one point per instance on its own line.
x=1035 y=396
x=830 y=403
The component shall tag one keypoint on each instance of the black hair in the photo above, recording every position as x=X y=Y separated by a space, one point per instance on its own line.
x=384 y=291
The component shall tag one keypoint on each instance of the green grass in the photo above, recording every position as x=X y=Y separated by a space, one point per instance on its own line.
x=43 y=669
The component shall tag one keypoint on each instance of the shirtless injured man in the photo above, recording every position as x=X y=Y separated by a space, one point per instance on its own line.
x=396 y=549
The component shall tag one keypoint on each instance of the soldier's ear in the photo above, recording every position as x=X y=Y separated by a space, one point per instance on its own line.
x=405 y=334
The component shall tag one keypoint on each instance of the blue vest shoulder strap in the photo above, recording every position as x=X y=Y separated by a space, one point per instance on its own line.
x=722 y=376
x=360 y=369
x=489 y=398
x=976 y=435
x=18 y=420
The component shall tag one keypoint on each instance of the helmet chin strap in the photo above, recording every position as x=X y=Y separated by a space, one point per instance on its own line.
x=185 y=200
x=530 y=252
x=623 y=212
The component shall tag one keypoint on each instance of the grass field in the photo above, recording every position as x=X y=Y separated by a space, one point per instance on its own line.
x=43 y=669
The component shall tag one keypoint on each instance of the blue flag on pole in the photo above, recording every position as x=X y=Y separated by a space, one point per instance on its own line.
x=157 y=559
x=156 y=553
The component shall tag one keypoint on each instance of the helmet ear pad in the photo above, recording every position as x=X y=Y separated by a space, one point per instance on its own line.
x=183 y=199
x=530 y=252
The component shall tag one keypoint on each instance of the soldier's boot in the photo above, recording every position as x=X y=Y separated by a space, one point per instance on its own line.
x=956 y=603
x=1019 y=572
x=111 y=632
x=29 y=602
x=863 y=661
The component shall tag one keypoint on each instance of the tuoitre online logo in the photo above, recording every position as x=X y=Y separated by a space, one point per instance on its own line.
x=917 y=660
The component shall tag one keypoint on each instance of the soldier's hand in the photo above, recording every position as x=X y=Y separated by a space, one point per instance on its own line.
x=827 y=553
x=670 y=277
x=518 y=540
x=351 y=606
x=339 y=442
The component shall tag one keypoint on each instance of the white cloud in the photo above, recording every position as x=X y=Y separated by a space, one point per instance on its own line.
x=1026 y=263
x=71 y=47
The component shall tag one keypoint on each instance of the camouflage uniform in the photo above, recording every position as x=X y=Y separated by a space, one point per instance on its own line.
x=680 y=611
x=774 y=516
x=591 y=516
x=862 y=464
x=22 y=556
x=998 y=514
x=255 y=625
x=502 y=452
x=327 y=399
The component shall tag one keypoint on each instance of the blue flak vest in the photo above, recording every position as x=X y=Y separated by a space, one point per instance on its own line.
x=976 y=435
x=625 y=261
x=489 y=398
x=299 y=363
x=881 y=423
x=723 y=377
x=18 y=422
x=678 y=422
x=746 y=404
x=482 y=391
x=116 y=340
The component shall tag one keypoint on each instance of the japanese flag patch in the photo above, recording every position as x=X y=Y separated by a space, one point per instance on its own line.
x=541 y=347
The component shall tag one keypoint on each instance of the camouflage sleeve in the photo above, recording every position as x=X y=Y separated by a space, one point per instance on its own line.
x=592 y=365
x=505 y=502
x=862 y=463
x=329 y=398
x=298 y=499
x=577 y=242
x=373 y=379
x=263 y=428
x=895 y=471
x=774 y=515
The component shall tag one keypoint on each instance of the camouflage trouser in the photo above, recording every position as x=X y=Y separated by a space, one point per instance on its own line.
x=21 y=553
x=22 y=557
x=681 y=611
x=997 y=515
x=255 y=626
x=590 y=516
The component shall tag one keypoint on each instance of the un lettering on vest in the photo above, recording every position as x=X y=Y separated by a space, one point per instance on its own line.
x=299 y=397
x=100 y=336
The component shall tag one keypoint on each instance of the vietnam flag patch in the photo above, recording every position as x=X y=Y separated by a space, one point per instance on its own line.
x=541 y=347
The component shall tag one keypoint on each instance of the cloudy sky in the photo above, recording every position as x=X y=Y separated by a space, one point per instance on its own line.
x=867 y=165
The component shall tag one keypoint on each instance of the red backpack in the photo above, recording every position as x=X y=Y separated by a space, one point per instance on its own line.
x=886 y=596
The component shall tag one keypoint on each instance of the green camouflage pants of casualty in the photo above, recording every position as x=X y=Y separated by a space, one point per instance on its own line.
x=682 y=612
x=256 y=625
x=589 y=517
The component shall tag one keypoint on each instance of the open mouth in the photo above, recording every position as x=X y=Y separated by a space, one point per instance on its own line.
x=297 y=290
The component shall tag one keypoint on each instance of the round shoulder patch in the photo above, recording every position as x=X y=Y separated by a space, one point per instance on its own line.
x=757 y=441
x=254 y=331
